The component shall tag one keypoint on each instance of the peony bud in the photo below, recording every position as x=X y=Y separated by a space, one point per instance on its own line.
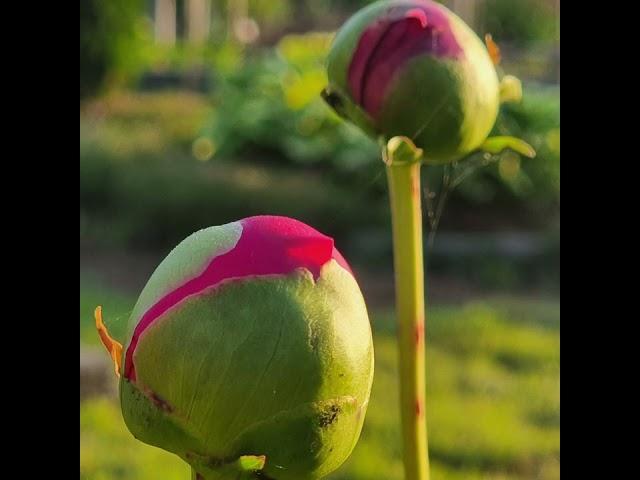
x=412 y=68
x=249 y=350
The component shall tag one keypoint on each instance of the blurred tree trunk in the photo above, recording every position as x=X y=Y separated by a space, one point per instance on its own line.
x=236 y=11
x=165 y=21
x=198 y=20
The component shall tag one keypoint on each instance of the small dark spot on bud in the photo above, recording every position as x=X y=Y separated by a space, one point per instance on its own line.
x=329 y=415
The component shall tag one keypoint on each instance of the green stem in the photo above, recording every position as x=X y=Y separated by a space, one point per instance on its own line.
x=406 y=214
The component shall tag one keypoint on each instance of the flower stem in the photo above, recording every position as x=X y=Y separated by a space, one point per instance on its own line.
x=406 y=214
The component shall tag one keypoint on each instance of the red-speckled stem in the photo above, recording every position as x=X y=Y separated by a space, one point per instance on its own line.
x=406 y=214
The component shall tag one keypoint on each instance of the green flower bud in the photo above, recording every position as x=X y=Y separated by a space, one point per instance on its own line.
x=249 y=353
x=412 y=68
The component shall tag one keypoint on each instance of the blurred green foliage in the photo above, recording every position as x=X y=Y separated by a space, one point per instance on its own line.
x=156 y=202
x=270 y=107
x=109 y=31
x=126 y=125
x=117 y=44
x=142 y=186
x=154 y=167
x=139 y=195
x=521 y=23
x=509 y=179
x=493 y=398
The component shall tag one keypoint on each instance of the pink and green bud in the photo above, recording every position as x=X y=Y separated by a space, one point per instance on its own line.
x=249 y=351
x=412 y=68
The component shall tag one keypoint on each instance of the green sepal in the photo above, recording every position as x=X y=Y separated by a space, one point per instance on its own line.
x=496 y=145
x=510 y=89
x=243 y=468
x=349 y=111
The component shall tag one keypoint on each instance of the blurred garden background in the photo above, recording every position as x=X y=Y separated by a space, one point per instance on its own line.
x=200 y=112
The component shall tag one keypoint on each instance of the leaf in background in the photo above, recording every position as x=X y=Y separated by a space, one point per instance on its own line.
x=302 y=89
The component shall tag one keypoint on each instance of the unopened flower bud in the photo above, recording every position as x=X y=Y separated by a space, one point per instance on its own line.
x=249 y=349
x=413 y=68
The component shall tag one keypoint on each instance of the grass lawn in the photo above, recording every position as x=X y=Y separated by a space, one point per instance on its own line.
x=493 y=397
